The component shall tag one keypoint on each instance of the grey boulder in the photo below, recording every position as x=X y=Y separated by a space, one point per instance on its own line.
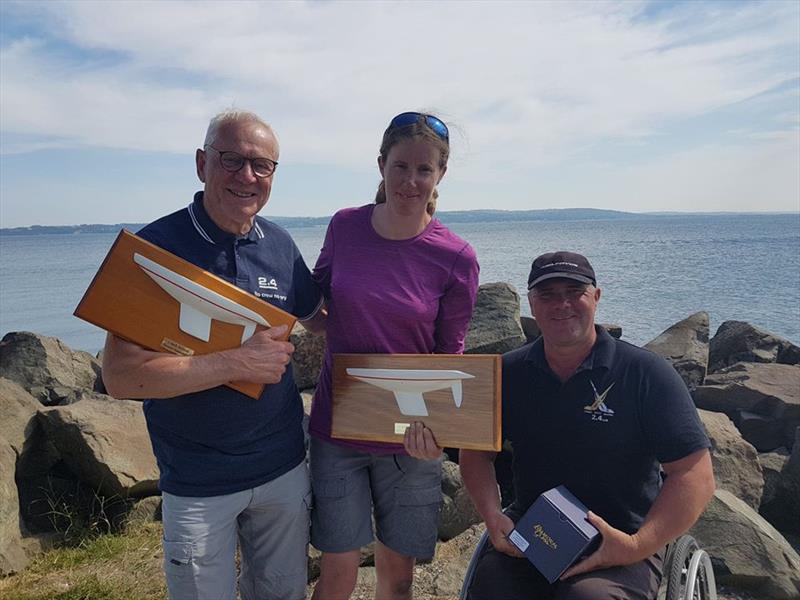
x=12 y=555
x=781 y=506
x=104 y=443
x=17 y=415
x=762 y=399
x=685 y=346
x=746 y=551
x=495 y=327
x=47 y=368
x=735 y=462
x=457 y=513
x=737 y=341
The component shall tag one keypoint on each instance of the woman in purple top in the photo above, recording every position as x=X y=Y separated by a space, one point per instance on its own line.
x=395 y=281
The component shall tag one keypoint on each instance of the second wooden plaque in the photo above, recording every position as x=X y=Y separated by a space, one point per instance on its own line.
x=376 y=396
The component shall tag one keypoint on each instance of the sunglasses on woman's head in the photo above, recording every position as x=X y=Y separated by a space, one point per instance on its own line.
x=409 y=118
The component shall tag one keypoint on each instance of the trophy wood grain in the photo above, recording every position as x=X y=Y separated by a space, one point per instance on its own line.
x=125 y=301
x=362 y=411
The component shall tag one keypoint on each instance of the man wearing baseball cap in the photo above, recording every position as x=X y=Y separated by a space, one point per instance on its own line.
x=603 y=418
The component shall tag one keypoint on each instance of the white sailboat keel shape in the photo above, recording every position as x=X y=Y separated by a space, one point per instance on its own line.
x=408 y=385
x=199 y=305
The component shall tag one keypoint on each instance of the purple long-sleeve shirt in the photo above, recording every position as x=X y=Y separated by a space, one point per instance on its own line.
x=412 y=296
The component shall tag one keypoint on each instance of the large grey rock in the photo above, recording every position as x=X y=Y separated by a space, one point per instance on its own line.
x=772 y=464
x=12 y=555
x=146 y=510
x=104 y=443
x=762 y=399
x=27 y=455
x=736 y=466
x=685 y=346
x=17 y=414
x=782 y=507
x=737 y=341
x=746 y=550
x=309 y=352
x=763 y=432
x=47 y=368
x=19 y=425
x=457 y=513
x=495 y=326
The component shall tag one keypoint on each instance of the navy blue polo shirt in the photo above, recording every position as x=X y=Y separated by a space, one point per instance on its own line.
x=220 y=441
x=603 y=432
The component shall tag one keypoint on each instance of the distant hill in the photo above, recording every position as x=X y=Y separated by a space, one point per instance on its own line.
x=550 y=214
x=456 y=216
x=453 y=216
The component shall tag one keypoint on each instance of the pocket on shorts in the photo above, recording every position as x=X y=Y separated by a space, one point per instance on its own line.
x=329 y=487
x=178 y=558
x=418 y=515
x=420 y=505
x=330 y=519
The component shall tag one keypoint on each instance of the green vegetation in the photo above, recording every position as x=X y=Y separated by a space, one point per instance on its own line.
x=113 y=566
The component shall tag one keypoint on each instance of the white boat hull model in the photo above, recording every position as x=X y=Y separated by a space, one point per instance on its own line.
x=199 y=305
x=408 y=385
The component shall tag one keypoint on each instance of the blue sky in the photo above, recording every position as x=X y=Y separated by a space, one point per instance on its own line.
x=637 y=106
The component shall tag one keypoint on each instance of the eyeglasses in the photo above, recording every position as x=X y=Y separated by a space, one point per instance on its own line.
x=233 y=162
x=409 y=118
x=572 y=294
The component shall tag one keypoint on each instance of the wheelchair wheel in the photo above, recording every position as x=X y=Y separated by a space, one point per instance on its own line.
x=690 y=575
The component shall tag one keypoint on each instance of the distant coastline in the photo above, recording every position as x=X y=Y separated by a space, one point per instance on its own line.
x=457 y=216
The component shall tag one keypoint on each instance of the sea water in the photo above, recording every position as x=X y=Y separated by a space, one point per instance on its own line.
x=653 y=270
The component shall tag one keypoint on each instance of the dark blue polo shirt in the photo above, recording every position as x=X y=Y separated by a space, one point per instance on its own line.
x=220 y=441
x=603 y=432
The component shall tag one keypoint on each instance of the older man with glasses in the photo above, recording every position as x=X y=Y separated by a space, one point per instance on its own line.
x=603 y=418
x=232 y=468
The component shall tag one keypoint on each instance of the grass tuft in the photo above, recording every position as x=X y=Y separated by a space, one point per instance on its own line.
x=122 y=566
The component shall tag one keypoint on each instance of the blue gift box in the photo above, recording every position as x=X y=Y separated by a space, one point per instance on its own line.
x=554 y=533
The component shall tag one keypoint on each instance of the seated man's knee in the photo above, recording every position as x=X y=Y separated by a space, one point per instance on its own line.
x=498 y=575
x=581 y=588
x=638 y=581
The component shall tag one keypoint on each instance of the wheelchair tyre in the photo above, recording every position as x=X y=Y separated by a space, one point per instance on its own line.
x=678 y=556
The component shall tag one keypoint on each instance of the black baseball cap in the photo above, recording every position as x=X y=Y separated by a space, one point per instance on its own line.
x=567 y=265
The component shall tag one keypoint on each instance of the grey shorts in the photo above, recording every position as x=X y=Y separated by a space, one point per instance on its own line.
x=405 y=494
x=270 y=525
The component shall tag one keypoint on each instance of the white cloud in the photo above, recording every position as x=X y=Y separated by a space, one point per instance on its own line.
x=531 y=84
x=741 y=177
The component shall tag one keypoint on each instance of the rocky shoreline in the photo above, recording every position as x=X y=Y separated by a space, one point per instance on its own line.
x=71 y=454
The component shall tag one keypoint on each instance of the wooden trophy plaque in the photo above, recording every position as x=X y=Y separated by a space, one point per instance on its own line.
x=377 y=396
x=151 y=297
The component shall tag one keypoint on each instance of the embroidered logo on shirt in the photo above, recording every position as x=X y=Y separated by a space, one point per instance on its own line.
x=270 y=287
x=598 y=408
x=267 y=283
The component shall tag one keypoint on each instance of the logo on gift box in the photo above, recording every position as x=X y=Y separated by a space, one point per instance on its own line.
x=539 y=532
x=598 y=408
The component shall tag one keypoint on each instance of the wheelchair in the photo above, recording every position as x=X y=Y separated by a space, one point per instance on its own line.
x=688 y=573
